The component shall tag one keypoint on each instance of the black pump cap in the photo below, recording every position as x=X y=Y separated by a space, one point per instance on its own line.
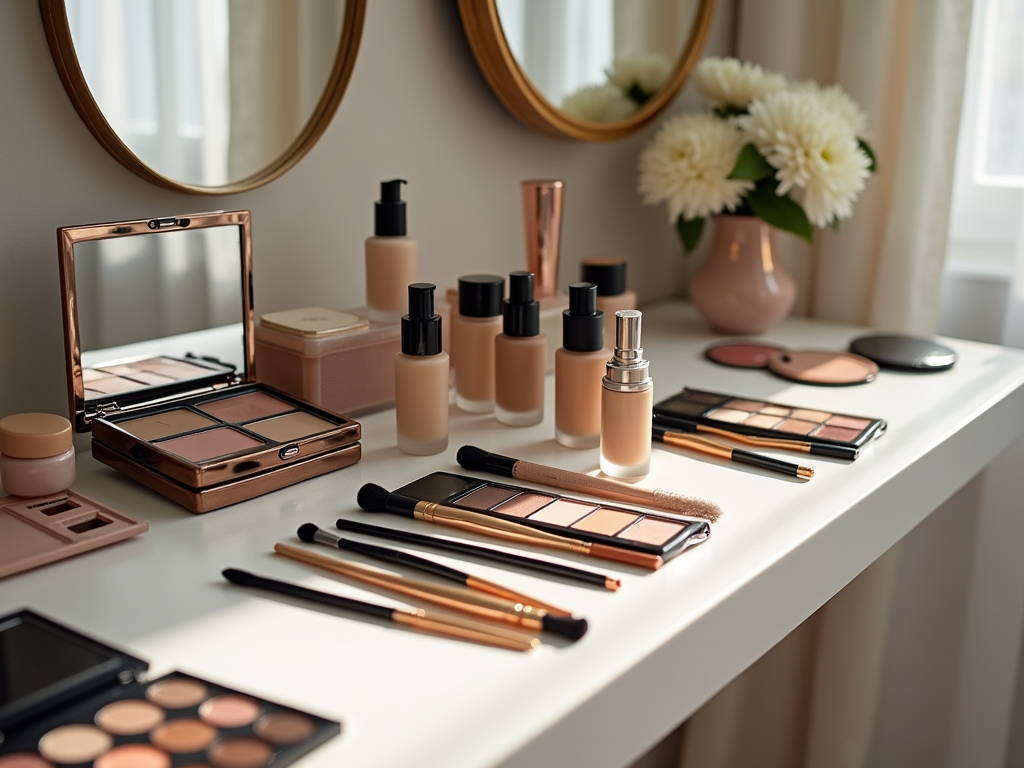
x=421 y=328
x=608 y=274
x=389 y=211
x=522 y=313
x=582 y=322
x=481 y=295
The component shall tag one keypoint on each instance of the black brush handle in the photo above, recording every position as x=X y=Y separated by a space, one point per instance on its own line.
x=765 y=462
x=404 y=558
x=246 y=579
x=484 y=553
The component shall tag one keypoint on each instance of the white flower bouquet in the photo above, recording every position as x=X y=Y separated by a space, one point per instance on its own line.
x=791 y=154
x=631 y=82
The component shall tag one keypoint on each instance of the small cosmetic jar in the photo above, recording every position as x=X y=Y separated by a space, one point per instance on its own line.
x=37 y=457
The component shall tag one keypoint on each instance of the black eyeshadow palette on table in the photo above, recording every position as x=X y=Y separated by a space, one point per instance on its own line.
x=77 y=702
x=653 y=533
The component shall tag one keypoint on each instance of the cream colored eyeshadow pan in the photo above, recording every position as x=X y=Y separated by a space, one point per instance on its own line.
x=729 y=414
x=762 y=421
x=808 y=415
x=774 y=410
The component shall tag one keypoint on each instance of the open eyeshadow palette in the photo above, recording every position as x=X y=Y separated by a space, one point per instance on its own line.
x=655 y=533
x=764 y=419
x=72 y=701
x=135 y=376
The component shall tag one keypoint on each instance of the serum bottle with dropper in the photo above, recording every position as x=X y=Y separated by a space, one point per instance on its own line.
x=520 y=357
x=421 y=377
x=390 y=256
x=627 y=400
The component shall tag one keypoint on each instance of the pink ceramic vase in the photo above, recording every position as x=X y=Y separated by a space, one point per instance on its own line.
x=742 y=287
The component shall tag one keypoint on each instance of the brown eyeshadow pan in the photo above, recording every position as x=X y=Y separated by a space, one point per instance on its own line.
x=166 y=424
x=837 y=433
x=745 y=405
x=607 y=522
x=291 y=426
x=848 y=422
x=487 y=497
x=248 y=407
x=796 y=426
x=524 y=504
x=202 y=446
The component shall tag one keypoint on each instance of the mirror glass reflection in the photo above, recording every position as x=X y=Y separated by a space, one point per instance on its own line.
x=159 y=309
x=206 y=92
x=597 y=60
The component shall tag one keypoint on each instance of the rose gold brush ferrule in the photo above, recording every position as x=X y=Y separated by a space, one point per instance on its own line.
x=542 y=224
x=805 y=471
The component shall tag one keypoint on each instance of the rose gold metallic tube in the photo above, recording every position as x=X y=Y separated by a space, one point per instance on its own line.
x=542 y=225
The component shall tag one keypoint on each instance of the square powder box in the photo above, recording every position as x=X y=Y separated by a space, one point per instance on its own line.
x=76 y=701
x=159 y=342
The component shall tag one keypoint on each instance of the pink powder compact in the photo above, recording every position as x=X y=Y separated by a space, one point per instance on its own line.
x=37 y=457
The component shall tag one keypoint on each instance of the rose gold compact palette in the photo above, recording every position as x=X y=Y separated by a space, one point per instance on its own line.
x=158 y=324
x=819 y=432
x=72 y=701
x=823 y=368
x=653 y=533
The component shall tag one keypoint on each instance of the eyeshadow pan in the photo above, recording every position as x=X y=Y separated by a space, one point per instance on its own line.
x=23 y=760
x=563 y=512
x=240 y=753
x=210 y=444
x=796 y=427
x=183 y=736
x=745 y=405
x=255 y=405
x=74 y=743
x=177 y=693
x=774 y=410
x=92 y=374
x=685 y=407
x=524 y=504
x=284 y=728
x=809 y=415
x=728 y=414
x=229 y=711
x=122 y=370
x=291 y=426
x=704 y=397
x=129 y=717
x=761 y=420
x=176 y=369
x=134 y=756
x=165 y=424
x=837 y=433
x=652 y=531
x=849 y=422
x=486 y=497
x=113 y=384
x=606 y=521
x=151 y=378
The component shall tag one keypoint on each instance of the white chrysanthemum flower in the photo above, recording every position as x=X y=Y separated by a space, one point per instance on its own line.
x=729 y=81
x=812 y=149
x=837 y=101
x=598 y=104
x=646 y=71
x=686 y=165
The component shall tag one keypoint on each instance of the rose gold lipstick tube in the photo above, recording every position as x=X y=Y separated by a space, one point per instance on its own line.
x=542 y=223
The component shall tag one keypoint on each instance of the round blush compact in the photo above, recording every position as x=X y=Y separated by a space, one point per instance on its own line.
x=741 y=354
x=905 y=353
x=824 y=368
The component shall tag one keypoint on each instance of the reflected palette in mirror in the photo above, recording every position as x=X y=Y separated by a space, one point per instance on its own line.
x=761 y=418
x=655 y=533
x=136 y=375
x=80 y=702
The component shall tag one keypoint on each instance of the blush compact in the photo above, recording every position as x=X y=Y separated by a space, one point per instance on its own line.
x=807 y=366
x=159 y=342
x=70 y=700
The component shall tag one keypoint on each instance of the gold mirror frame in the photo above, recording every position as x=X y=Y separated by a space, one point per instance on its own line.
x=58 y=35
x=522 y=99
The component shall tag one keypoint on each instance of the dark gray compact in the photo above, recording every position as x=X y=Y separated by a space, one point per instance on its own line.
x=905 y=353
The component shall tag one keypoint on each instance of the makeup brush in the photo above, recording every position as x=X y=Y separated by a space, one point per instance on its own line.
x=722 y=451
x=797 y=446
x=455 y=599
x=482 y=552
x=479 y=460
x=432 y=623
x=373 y=498
x=310 y=533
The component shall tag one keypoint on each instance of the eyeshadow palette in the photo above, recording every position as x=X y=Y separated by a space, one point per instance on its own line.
x=765 y=419
x=128 y=377
x=208 y=444
x=35 y=532
x=78 y=702
x=655 y=533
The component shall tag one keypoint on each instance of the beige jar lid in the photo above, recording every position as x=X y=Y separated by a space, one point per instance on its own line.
x=34 y=435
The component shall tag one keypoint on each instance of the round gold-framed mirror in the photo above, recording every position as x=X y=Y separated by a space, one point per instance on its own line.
x=205 y=96
x=596 y=70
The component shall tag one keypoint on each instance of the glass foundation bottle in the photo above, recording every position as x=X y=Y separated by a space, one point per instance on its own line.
x=579 y=367
x=627 y=400
x=610 y=277
x=479 y=322
x=520 y=355
x=390 y=256
x=421 y=378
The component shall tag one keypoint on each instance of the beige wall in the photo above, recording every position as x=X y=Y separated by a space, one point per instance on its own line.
x=417 y=107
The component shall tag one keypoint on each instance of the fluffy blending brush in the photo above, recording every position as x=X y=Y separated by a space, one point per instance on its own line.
x=373 y=498
x=310 y=533
x=479 y=460
x=462 y=600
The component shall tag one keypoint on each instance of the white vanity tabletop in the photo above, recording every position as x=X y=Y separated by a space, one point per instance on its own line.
x=656 y=650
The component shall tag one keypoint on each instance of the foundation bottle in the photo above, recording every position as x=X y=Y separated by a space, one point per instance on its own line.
x=390 y=256
x=479 y=321
x=520 y=355
x=421 y=377
x=579 y=367
x=627 y=400
x=609 y=275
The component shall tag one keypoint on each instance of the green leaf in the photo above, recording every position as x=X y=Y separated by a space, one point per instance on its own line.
x=730 y=110
x=750 y=166
x=870 y=153
x=638 y=94
x=782 y=212
x=689 y=231
x=835 y=224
